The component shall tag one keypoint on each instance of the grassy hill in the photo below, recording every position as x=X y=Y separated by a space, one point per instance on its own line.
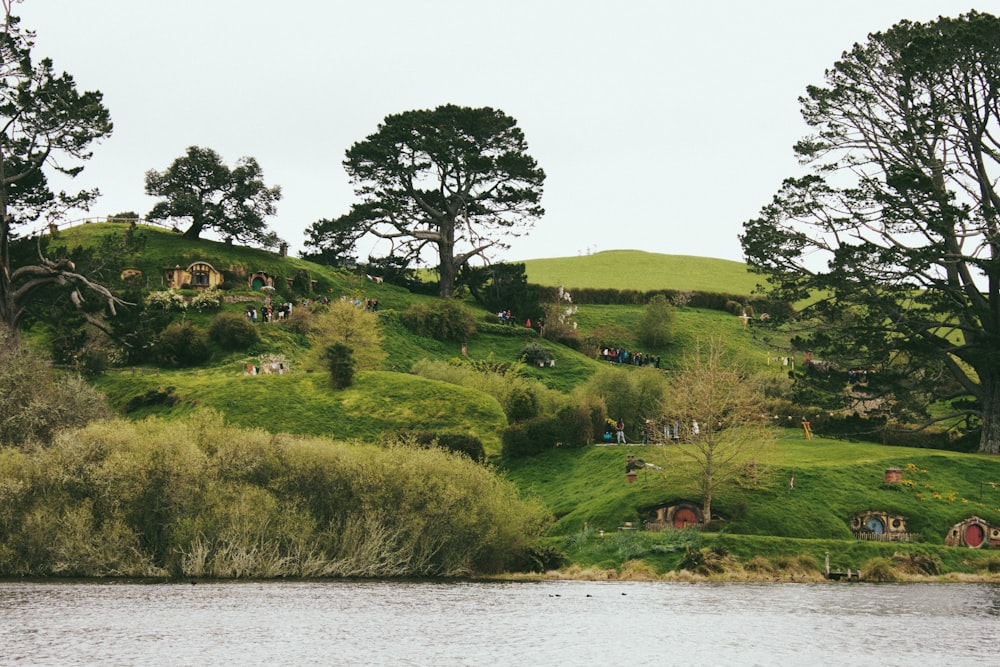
x=643 y=271
x=584 y=488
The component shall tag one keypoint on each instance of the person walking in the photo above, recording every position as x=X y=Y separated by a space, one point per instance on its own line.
x=620 y=427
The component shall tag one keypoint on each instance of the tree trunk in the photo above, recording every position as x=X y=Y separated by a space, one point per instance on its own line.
x=447 y=274
x=989 y=440
x=447 y=271
x=193 y=232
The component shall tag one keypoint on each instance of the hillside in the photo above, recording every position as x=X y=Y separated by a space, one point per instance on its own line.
x=643 y=271
x=584 y=488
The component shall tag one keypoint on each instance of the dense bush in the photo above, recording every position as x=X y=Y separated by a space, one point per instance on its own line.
x=442 y=319
x=182 y=344
x=340 y=363
x=36 y=400
x=233 y=332
x=196 y=498
x=170 y=299
x=209 y=299
x=535 y=354
x=343 y=323
x=460 y=443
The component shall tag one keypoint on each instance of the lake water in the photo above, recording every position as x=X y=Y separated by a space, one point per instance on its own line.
x=498 y=623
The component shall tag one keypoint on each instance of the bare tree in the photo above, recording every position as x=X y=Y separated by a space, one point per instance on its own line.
x=720 y=413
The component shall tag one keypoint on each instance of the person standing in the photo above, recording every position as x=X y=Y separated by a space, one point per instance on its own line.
x=620 y=427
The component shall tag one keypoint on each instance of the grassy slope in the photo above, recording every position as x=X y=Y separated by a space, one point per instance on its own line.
x=834 y=479
x=639 y=270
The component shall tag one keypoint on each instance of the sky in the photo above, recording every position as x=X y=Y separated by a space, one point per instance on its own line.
x=662 y=125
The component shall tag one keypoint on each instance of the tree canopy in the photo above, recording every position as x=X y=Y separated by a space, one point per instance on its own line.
x=45 y=124
x=893 y=230
x=199 y=187
x=456 y=179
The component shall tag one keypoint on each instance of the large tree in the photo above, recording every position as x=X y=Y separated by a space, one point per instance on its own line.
x=200 y=188
x=456 y=179
x=45 y=124
x=894 y=230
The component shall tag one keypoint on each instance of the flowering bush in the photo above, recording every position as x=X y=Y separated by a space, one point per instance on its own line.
x=209 y=299
x=170 y=299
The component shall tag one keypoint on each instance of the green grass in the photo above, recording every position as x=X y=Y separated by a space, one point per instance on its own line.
x=834 y=479
x=639 y=270
x=378 y=402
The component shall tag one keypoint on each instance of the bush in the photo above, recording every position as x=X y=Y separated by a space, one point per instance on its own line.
x=166 y=300
x=444 y=320
x=36 y=400
x=301 y=321
x=182 y=344
x=209 y=299
x=532 y=437
x=192 y=497
x=461 y=443
x=535 y=354
x=340 y=362
x=233 y=332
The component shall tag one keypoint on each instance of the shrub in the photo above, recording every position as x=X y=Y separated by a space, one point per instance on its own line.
x=461 y=443
x=182 y=344
x=657 y=319
x=444 y=320
x=535 y=354
x=340 y=362
x=302 y=282
x=349 y=325
x=166 y=300
x=301 y=321
x=233 y=332
x=209 y=299
x=36 y=400
x=515 y=442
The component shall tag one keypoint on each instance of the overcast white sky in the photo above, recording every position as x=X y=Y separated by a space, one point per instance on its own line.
x=662 y=125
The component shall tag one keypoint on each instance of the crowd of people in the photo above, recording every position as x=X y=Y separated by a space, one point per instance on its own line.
x=619 y=355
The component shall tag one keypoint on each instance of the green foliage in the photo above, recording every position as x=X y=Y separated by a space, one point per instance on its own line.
x=878 y=570
x=170 y=299
x=36 y=400
x=302 y=282
x=340 y=362
x=196 y=498
x=521 y=397
x=460 y=443
x=654 y=327
x=233 y=332
x=182 y=344
x=535 y=354
x=343 y=323
x=198 y=187
x=45 y=124
x=631 y=394
x=474 y=174
x=502 y=287
x=445 y=320
x=884 y=247
x=210 y=299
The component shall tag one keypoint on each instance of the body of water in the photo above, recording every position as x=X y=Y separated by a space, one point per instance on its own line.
x=497 y=623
